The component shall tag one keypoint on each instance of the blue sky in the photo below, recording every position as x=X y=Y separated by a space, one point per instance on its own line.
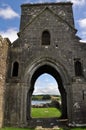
x=10 y=12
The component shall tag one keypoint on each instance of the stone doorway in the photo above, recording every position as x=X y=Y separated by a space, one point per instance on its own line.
x=46 y=98
x=52 y=71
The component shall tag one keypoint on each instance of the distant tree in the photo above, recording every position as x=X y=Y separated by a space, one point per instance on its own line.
x=46 y=97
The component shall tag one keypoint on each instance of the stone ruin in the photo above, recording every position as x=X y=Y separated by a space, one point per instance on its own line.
x=47 y=43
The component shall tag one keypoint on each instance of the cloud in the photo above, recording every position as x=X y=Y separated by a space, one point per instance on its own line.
x=48 y=89
x=39 y=1
x=82 y=25
x=6 y=12
x=75 y=2
x=83 y=36
x=43 y=1
x=11 y=33
x=46 y=84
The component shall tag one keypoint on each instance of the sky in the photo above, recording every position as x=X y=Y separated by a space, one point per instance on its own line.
x=46 y=84
x=10 y=12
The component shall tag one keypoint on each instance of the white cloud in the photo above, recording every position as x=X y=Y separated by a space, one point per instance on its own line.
x=10 y=33
x=78 y=2
x=40 y=1
x=35 y=1
x=49 y=89
x=82 y=25
x=83 y=35
x=75 y=2
x=46 y=84
x=7 y=12
x=84 y=41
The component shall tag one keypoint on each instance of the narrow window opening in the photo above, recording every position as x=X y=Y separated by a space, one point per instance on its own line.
x=15 y=69
x=83 y=94
x=78 y=68
x=45 y=38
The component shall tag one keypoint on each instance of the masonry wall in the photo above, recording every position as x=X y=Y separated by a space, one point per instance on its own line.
x=29 y=11
x=4 y=45
x=64 y=50
x=79 y=102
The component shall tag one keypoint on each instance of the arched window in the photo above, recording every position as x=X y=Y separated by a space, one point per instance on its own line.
x=15 y=69
x=45 y=38
x=78 y=68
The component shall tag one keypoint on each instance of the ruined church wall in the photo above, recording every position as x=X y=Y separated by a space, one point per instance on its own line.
x=4 y=45
x=64 y=50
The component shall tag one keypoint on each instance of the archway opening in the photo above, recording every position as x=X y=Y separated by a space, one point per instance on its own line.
x=46 y=98
x=53 y=72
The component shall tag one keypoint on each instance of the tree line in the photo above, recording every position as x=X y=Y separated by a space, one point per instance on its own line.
x=43 y=97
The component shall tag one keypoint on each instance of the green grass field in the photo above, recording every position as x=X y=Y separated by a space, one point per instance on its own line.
x=45 y=112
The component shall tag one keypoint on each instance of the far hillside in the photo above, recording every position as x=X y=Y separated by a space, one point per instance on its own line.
x=46 y=97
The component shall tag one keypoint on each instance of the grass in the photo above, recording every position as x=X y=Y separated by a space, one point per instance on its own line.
x=45 y=112
x=11 y=128
x=42 y=129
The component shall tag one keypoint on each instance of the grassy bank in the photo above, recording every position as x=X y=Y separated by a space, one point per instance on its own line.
x=10 y=128
x=45 y=112
x=43 y=129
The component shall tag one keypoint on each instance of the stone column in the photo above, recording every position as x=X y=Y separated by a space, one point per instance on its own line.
x=4 y=45
x=29 y=106
x=79 y=102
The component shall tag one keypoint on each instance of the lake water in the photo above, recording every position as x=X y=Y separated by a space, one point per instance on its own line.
x=35 y=102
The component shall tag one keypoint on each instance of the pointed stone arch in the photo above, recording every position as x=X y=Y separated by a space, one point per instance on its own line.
x=47 y=65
